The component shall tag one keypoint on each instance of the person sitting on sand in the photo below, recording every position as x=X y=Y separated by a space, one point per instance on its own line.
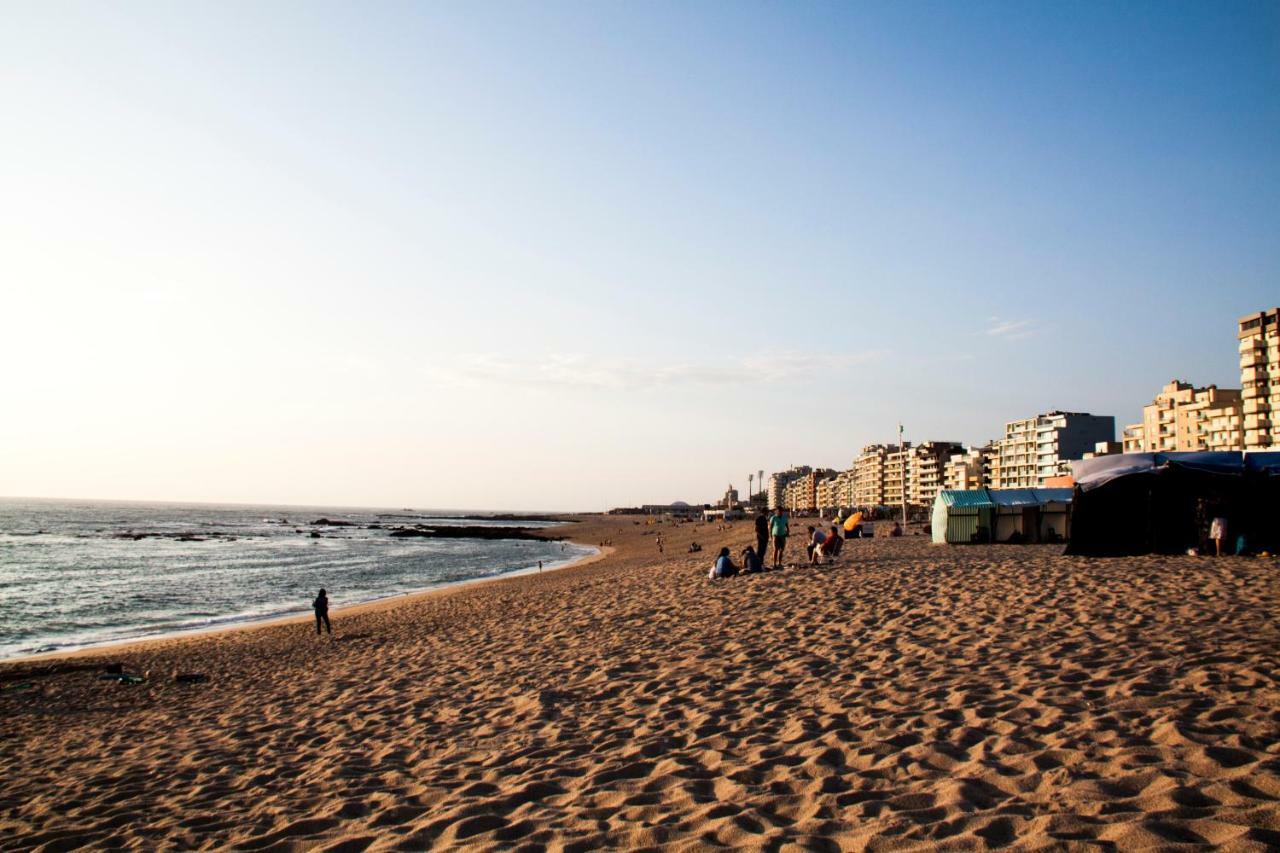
x=752 y=563
x=897 y=529
x=321 y=607
x=724 y=567
x=816 y=540
x=834 y=544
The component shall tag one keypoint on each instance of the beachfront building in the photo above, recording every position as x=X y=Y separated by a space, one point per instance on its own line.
x=826 y=493
x=869 y=475
x=844 y=488
x=1259 y=336
x=926 y=471
x=1183 y=418
x=1132 y=438
x=897 y=469
x=1036 y=449
x=966 y=470
x=801 y=494
x=778 y=484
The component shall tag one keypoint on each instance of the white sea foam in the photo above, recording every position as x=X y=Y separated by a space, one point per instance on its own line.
x=74 y=574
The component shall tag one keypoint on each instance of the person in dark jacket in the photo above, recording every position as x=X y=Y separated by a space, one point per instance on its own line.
x=762 y=532
x=321 y=607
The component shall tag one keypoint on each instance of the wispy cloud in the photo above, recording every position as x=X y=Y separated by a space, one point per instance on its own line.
x=1010 y=330
x=577 y=370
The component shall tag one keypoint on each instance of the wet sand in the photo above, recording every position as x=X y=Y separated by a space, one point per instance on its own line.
x=911 y=696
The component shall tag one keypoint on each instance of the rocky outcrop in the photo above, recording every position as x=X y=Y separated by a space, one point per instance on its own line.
x=470 y=531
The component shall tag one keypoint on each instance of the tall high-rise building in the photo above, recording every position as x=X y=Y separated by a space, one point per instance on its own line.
x=926 y=472
x=778 y=484
x=1035 y=449
x=1260 y=379
x=869 y=474
x=1183 y=417
x=967 y=469
x=897 y=473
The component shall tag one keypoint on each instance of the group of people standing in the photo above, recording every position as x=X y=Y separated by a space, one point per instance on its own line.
x=776 y=526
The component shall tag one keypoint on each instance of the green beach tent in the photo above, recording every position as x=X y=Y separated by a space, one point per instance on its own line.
x=963 y=516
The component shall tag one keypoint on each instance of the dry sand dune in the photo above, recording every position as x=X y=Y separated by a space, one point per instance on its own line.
x=911 y=696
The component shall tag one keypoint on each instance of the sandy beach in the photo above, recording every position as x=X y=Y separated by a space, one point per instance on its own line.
x=911 y=696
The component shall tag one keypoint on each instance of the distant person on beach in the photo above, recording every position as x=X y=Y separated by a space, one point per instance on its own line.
x=779 y=526
x=724 y=567
x=897 y=529
x=321 y=607
x=762 y=532
x=1218 y=533
x=752 y=562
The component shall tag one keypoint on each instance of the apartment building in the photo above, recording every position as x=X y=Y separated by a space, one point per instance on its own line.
x=869 y=475
x=897 y=470
x=778 y=483
x=844 y=488
x=1036 y=449
x=801 y=494
x=967 y=469
x=926 y=474
x=1182 y=418
x=1259 y=336
x=826 y=493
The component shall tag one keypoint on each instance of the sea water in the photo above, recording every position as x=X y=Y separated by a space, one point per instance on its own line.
x=78 y=573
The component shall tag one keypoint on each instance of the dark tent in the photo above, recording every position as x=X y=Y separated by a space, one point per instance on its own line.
x=1139 y=503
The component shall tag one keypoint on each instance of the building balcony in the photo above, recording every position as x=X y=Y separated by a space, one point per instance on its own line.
x=1252 y=342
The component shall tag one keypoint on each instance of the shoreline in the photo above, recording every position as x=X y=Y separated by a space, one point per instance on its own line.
x=132 y=644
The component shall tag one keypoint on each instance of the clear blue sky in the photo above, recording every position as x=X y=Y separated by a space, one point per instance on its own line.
x=535 y=255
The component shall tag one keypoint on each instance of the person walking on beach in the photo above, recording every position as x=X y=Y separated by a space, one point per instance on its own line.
x=321 y=607
x=779 y=526
x=762 y=532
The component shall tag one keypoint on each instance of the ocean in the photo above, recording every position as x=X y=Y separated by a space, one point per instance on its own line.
x=80 y=573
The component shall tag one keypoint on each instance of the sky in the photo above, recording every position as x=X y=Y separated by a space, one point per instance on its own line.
x=568 y=256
